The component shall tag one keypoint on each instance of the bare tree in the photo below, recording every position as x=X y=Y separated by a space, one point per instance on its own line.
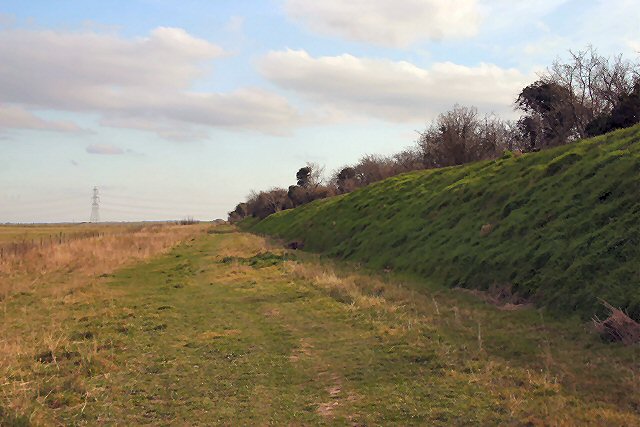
x=572 y=97
x=461 y=136
x=264 y=203
x=310 y=176
x=407 y=160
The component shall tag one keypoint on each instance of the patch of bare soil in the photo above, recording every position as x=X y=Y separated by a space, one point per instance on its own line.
x=502 y=297
x=303 y=350
x=335 y=393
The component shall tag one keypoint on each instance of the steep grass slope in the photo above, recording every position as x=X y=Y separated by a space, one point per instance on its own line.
x=560 y=227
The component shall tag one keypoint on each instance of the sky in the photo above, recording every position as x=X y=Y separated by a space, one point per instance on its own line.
x=177 y=109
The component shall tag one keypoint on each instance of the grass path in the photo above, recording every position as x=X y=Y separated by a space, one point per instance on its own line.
x=217 y=332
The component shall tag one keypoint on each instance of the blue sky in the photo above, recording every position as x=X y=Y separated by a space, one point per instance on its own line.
x=180 y=108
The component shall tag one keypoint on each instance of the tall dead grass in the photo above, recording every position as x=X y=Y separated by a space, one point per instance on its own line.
x=618 y=326
x=92 y=256
x=359 y=290
x=247 y=245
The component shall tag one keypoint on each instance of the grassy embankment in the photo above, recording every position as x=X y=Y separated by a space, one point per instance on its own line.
x=227 y=329
x=560 y=228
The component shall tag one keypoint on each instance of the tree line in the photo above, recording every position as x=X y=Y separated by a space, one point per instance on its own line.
x=584 y=96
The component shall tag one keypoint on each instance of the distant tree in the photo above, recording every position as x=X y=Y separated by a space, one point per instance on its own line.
x=596 y=83
x=309 y=185
x=310 y=175
x=446 y=141
x=461 y=135
x=322 y=192
x=264 y=203
x=497 y=135
x=238 y=213
x=550 y=114
x=575 y=98
x=298 y=195
x=407 y=160
x=530 y=127
x=303 y=176
x=346 y=180
x=372 y=168
x=626 y=113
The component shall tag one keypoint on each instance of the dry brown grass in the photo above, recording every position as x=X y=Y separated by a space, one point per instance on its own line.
x=618 y=326
x=88 y=257
x=486 y=229
x=360 y=290
x=248 y=245
x=38 y=287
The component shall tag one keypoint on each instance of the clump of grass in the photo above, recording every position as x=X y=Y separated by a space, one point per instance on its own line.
x=618 y=327
x=359 y=290
x=245 y=245
x=13 y=420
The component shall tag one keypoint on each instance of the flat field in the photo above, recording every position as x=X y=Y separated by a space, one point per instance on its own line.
x=202 y=325
x=16 y=233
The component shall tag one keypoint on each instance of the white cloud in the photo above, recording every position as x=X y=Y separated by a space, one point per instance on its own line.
x=392 y=91
x=105 y=149
x=15 y=117
x=145 y=80
x=388 y=22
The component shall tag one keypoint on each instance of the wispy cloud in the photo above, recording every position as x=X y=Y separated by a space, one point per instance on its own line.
x=16 y=117
x=104 y=149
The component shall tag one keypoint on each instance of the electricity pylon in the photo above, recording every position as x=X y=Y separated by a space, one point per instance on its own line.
x=95 y=206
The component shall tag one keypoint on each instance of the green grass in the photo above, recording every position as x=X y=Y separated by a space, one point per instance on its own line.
x=561 y=226
x=212 y=334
